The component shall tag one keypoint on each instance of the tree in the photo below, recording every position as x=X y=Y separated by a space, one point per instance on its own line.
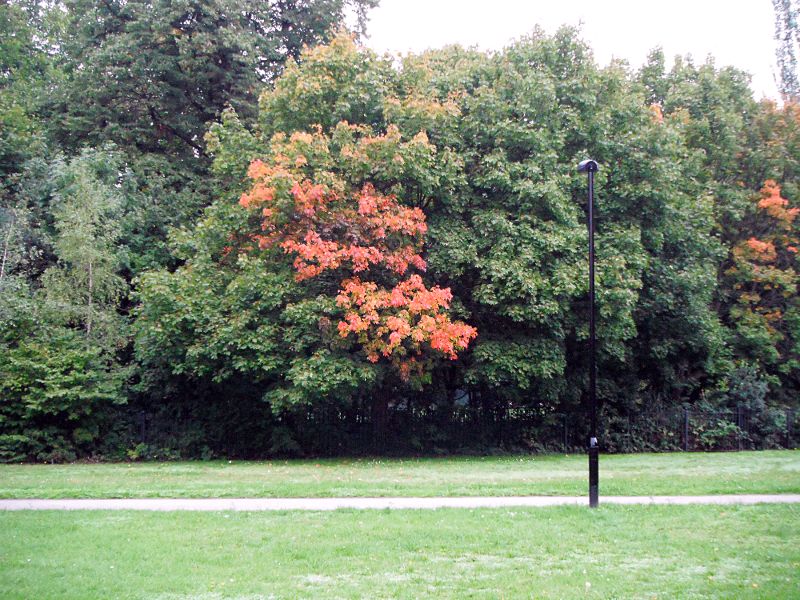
x=61 y=333
x=512 y=240
x=85 y=282
x=787 y=35
x=322 y=249
x=331 y=227
x=311 y=329
x=24 y=69
x=764 y=282
x=149 y=74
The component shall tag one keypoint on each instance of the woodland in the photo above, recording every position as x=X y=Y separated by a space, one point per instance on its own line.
x=229 y=229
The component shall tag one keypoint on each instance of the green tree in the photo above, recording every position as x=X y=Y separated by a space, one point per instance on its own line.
x=240 y=308
x=62 y=333
x=23 y=70
x=85 y=281
x=149 y=74
x=787 y=36
x=55 y=391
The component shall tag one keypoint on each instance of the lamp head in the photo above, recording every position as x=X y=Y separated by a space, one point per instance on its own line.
x=587 y=166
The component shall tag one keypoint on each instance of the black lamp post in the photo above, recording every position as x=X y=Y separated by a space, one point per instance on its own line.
x=590 y=168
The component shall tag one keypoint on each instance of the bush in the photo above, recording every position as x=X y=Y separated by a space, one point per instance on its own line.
x=54 y=399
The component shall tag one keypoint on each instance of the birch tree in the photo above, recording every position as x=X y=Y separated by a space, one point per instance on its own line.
x=85 y=285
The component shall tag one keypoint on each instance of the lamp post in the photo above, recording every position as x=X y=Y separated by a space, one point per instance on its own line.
x=590 y=168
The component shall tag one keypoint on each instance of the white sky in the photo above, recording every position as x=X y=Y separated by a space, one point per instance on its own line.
x=735 y=32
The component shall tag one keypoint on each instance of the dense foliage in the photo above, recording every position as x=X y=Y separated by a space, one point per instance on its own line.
x=189 y=268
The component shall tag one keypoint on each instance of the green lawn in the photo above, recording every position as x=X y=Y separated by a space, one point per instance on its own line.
x=635 y=474
x=569 y=552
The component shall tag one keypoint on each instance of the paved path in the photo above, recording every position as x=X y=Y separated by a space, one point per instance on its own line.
x=252 y=504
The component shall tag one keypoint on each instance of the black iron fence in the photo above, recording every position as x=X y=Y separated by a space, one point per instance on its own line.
x=534 y=430
x=334 y=431
x=701 y=429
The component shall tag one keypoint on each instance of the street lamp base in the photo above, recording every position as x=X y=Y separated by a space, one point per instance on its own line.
x=594 y=492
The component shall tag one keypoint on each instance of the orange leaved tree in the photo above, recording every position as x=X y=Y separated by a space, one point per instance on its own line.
x=765 y=279
x=306 y=204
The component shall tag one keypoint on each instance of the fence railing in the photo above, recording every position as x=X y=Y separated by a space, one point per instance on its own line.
x=331 y=431
x=464 y=428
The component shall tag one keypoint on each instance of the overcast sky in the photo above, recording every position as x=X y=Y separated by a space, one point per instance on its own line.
x=735 y=32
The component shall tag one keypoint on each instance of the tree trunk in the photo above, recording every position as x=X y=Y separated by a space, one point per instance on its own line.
x=89 y=308
x=6 y=243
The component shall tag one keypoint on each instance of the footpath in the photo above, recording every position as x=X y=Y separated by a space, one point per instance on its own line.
x=260 y=504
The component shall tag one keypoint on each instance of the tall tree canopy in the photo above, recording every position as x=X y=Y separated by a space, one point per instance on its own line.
x=149 y=74
x=307 y=283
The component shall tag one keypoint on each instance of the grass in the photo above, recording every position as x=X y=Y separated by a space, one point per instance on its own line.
x=566 y=552
x=634 y=474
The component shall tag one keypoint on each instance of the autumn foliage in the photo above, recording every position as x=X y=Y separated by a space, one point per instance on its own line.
x=764 y=266
x=776 y=220
x=367 y=238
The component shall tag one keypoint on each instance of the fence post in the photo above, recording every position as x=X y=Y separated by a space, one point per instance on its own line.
x=142 y=418
x=789 y=423
x=686 y=429
x=740 y=424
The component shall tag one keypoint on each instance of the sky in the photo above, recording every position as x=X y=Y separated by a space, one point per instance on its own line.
x=735 y=32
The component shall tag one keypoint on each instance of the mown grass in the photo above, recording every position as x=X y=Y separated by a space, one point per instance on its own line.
x=567 y=552
x=633 y=474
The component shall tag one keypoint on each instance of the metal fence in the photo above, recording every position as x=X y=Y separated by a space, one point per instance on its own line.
x=700 y=429
x=464 y=429
x=333 y=431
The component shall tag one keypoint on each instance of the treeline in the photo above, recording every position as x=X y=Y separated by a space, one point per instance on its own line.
x=195 y=258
